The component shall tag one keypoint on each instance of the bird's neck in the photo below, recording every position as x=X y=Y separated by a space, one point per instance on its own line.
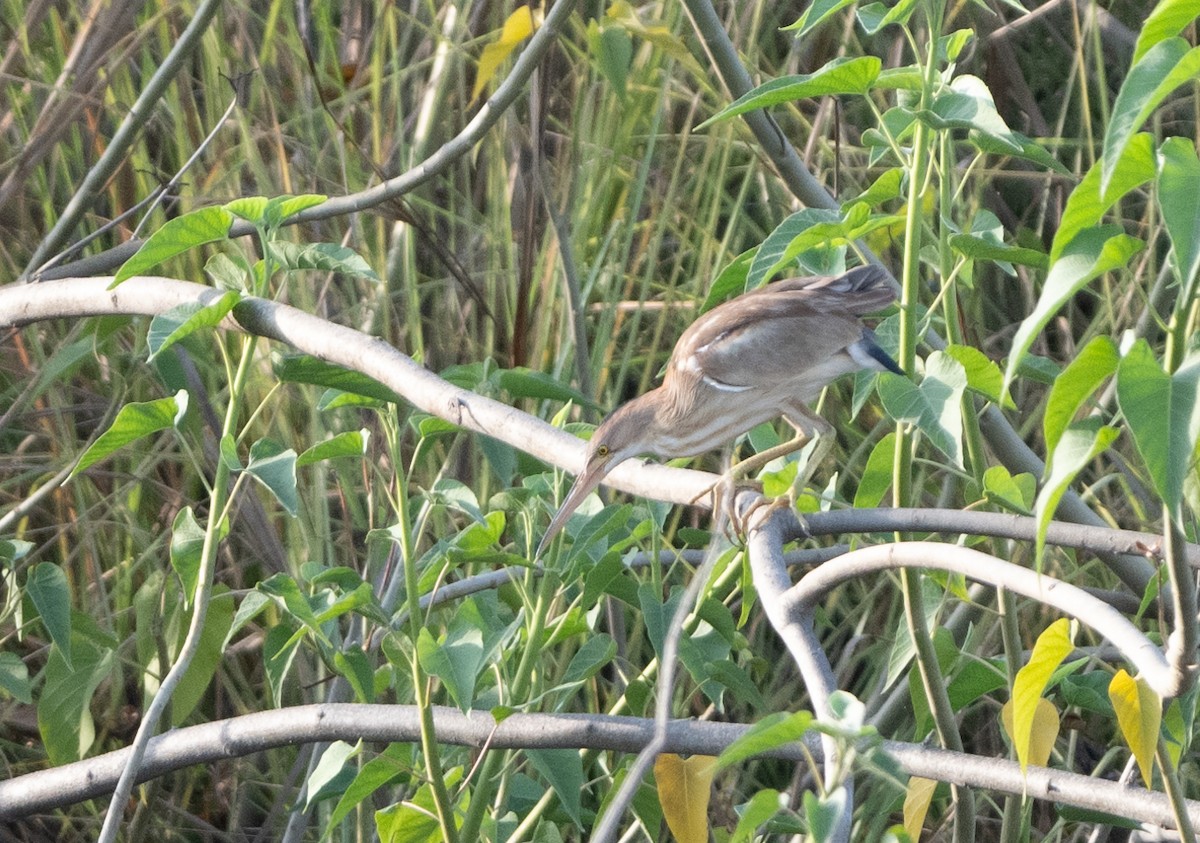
x=638 y=422
x=664 y=420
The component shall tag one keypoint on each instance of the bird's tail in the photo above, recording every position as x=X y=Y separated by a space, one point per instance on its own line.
x=866 y=289
x=862 y=290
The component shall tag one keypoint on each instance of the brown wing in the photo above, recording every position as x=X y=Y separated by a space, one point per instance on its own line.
x=774 y=334
x=783 y=340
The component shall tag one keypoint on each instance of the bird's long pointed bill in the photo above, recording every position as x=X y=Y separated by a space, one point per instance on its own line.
x=583 y=486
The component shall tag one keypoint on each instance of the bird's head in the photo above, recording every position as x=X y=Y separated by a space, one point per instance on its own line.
x=627 y=432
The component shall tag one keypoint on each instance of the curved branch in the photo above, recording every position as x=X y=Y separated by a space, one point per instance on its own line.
x=1101 y=617
x=21 y=304
x=436 y=164
x=764 y=546
x=251 y=733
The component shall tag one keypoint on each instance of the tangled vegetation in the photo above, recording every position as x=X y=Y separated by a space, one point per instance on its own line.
x=305 y=311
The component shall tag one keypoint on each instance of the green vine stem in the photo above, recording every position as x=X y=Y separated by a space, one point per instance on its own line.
x=920 y=170
x=412 y=588
x=485 y=787
x=218 y=501
x=1181 y=648
x=1174 y=789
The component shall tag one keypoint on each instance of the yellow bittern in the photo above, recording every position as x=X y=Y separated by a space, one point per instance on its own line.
x=759 y=356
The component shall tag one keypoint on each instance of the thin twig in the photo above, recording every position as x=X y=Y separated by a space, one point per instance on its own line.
x=363 y=200
x=118 y=148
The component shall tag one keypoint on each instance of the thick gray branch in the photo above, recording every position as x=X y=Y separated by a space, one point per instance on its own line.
x=148 y=296
x=241 y=736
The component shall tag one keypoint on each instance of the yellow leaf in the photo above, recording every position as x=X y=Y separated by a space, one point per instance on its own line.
x=1053 y=645
x=516 y=29
x=623 y=14
x=620 y=10
x=1139 y=714
x=1045 y=729
x=916 y=804
x=883 y=238
x=683 y=790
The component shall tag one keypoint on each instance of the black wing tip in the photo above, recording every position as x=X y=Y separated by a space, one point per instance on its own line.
x=884 y=359
x=870 y=345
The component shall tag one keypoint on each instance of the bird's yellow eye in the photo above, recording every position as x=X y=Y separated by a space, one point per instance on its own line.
x=602 y=451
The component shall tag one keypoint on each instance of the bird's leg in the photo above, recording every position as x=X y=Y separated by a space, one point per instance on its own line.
x=724 y=500
x=724 y=491
x=809 y=428
x=752 y=464
x=724 y=506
